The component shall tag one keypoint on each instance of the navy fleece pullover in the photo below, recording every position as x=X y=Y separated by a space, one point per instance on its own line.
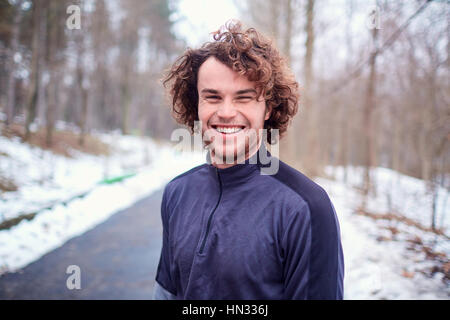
x=238 y=234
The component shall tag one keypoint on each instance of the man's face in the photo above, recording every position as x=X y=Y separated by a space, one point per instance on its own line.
x=229 y=112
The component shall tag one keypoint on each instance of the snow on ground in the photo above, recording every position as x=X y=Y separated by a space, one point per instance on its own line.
x=377 y=264
x=44 y=178
x=375 y=268
x=29 y=240
x=400 y=193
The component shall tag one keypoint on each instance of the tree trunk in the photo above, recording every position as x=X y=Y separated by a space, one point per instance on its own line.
x=35 y=71
x=395 y=162
x=312 y=144
x=288 y=33
x=344 y=144
x=369 y=152
x=14 y=45
x=125 y=105
x=275 y=19
x=50 y=112
x=289 y=145
x=309 y=28
x=81 y=79
x=52 y=67
x=84 y=114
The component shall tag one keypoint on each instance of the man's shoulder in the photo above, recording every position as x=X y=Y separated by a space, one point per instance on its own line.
x=312 y=193
x=189 y=172
x=326 y=259
x=185 y=177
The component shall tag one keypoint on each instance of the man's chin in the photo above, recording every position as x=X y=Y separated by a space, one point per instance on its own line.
x=232 y=156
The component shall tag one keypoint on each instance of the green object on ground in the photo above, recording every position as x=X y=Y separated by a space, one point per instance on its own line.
x=117 y=179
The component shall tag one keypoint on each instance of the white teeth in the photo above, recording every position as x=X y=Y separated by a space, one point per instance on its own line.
x=228 y=129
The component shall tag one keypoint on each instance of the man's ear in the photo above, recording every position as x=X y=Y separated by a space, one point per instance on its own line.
x=268 y=112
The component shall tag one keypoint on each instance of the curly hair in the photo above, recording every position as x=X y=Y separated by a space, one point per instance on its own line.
x=248 y=53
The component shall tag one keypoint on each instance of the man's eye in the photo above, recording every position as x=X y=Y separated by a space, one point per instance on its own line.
x=244 y=98
x=212 y=97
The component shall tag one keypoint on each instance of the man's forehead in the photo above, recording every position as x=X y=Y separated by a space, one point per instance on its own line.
x=214 y=75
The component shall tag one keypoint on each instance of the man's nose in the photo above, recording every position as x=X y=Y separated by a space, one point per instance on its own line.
x=227 y=109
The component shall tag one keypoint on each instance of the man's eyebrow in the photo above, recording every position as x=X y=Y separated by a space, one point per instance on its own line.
x=246 y=91
x=207 y=90
x=240 y=92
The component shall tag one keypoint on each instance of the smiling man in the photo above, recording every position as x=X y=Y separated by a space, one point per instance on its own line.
x=230 y=230
x=232 y=111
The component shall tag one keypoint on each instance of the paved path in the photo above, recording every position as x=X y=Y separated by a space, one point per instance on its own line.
x=117 y=260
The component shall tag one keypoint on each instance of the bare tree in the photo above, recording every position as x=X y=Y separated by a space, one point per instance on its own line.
x=311 y=163
x=13 y=50
x=369 y=146
x=81 y=84
x=35 y=68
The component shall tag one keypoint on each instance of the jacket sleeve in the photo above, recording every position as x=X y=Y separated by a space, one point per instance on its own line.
x=163 y=276
x=314 y=265
x=296 y=246
x=159 y=293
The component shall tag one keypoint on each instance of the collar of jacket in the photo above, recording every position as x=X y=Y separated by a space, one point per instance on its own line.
x=241 y=172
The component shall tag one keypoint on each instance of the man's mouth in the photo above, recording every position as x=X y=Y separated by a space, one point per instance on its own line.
x=227 y=129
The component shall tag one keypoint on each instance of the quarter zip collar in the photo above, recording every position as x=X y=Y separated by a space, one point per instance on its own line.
x=239 y=173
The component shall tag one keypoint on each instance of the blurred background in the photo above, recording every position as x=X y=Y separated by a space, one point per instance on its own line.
x=84 y=120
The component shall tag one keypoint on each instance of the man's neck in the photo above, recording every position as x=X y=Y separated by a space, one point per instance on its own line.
x=223 y=165
x=229 y=165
